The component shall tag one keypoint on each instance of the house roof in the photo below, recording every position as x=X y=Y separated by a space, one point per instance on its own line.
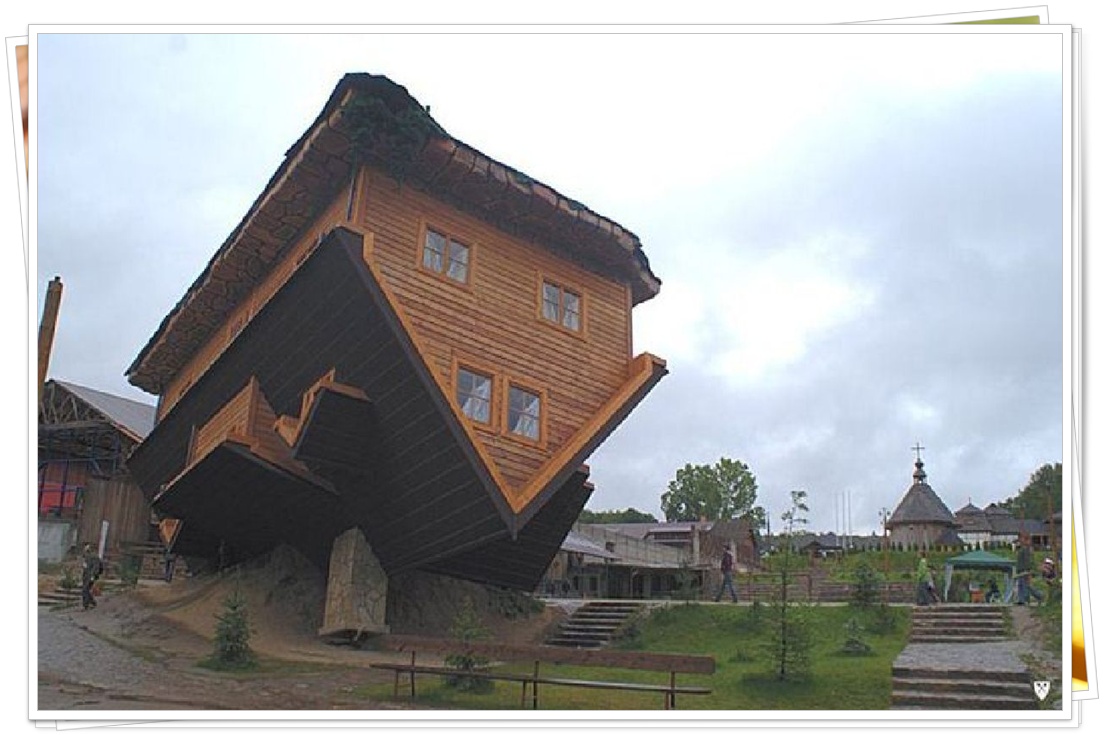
x=132 y=417
x=580 y=544
x=920 y=504
x=370 y=119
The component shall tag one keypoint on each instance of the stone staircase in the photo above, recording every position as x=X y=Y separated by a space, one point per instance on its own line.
x=595 y=624
x=960 y=657
x=974 y=623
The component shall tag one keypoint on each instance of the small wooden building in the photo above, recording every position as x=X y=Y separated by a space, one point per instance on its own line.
x=84 y=437
x=920 y=520
x=405 y=337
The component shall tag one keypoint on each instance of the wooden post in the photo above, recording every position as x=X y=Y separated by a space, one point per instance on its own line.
x=46 y=330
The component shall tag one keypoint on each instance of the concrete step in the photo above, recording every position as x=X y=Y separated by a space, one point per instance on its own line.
x=952 y=629
x=943 y=700
x=959 y=675
x=953 y=639
x=973 y=685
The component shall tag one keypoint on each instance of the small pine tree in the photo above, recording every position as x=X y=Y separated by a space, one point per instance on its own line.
x=467 y=627
x=790 y=641
x=232 y=635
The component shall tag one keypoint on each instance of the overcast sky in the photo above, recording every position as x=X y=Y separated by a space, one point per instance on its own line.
x=859 y=236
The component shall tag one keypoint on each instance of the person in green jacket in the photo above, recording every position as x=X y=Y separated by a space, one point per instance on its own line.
x=925 y=585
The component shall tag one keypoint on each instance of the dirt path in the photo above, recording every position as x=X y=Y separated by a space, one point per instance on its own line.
x=81 y=667
x=139 y=650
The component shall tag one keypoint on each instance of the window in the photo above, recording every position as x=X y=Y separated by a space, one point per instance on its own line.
x=523 y=413
x=561 y=306
x=473 y=393
x=442 y=254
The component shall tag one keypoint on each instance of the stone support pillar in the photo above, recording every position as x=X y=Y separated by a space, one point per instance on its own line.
x=356 y=593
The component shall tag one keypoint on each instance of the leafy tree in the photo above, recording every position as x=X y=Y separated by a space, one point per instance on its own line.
x=719 y=492
x=1041 y=496
x=790 y=640
x=629 y=515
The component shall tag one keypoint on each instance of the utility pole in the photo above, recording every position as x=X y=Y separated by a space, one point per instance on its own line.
x=884 y=515
x=46 y=330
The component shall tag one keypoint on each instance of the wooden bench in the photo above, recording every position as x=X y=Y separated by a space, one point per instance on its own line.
x=668 y=663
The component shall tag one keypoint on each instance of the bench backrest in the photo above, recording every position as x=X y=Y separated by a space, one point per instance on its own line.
x=639 y=660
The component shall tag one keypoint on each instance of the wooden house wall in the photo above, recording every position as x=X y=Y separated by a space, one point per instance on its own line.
x=493 y=323
x=326 y=319
x=119 y=501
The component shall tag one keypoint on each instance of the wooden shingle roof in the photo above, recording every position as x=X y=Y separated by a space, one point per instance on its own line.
x=370 y=119
x=920 y=504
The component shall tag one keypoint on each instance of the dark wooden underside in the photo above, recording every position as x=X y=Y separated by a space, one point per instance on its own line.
x=403 y=468
x=234 y=495
x=520 y=563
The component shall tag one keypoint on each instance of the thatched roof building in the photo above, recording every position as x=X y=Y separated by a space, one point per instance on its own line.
x=921 y=519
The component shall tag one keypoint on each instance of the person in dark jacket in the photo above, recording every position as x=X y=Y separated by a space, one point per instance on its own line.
x=728 y=564
x=91 y=569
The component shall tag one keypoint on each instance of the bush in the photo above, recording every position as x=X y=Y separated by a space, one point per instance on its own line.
x=886 y=619
x=864 y=585
x=854 y=645
x=130 y=569
x=70 y=578
x=512 y=604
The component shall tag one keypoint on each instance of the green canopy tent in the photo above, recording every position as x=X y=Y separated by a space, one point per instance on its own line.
x=980 y=560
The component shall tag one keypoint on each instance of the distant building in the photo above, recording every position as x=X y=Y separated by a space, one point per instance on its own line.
x=85 y=491
x=646 y=560
x=921 y=520
x=974 y=527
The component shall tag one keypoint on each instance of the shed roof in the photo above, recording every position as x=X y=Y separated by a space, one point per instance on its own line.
x=371 y=119
x=132 y=417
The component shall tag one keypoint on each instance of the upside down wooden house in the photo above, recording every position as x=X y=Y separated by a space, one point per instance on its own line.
x=404 y=342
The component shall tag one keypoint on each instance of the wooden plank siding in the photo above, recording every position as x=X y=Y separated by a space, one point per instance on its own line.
x=414 y=505
x=495 y=319
x=119 y=501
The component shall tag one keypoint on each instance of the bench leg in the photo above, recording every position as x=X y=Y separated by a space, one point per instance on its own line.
x=669 y=700
x=536 y=675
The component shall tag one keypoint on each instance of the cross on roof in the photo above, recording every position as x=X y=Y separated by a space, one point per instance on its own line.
x=918 y=448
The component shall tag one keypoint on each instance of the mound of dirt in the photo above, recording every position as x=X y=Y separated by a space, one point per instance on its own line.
x=284 y=595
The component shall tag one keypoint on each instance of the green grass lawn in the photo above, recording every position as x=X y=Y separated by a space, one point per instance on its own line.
x=743 y=680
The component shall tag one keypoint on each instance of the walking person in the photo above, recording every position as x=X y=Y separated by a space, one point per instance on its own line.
x=925 y=583
x=728 y=564
x=91 y=569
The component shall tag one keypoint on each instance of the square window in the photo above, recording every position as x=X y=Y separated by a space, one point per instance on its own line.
x=523 y=413
x=561 y=306
x=473 y=393
x=441 y=254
